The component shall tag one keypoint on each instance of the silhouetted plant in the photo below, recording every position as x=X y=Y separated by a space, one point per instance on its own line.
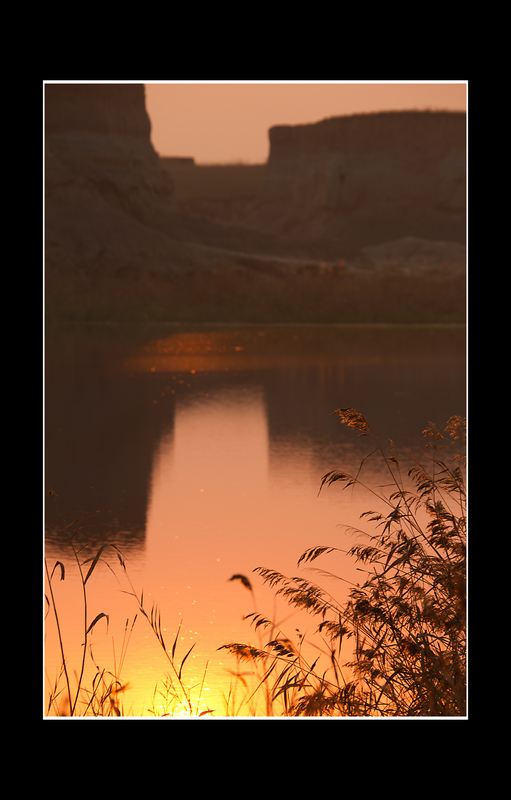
x=102 y=697
x=176 y=695
x=406 y=623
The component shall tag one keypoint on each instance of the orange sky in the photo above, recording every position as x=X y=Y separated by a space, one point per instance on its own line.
x=229 y=122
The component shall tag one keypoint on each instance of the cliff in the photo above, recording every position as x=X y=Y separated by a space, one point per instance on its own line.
x=102 y=177
x=117 y=244
x=109 y=210
x=366 y=179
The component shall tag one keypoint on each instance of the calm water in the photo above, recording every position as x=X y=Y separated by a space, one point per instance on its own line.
x=199 y=452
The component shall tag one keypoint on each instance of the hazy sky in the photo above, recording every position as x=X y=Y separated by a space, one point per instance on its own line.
x=228 y=122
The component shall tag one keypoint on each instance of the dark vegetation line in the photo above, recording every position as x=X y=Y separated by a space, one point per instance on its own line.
x=250 y=297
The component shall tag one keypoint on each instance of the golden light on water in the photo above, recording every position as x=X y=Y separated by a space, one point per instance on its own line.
x=224 y=350
x=229 y=483
x=213 y=512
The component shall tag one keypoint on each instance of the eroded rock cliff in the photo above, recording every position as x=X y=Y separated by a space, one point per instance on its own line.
x=102 y=180
x=109 y=212
x=366 y=179
x=341 y=201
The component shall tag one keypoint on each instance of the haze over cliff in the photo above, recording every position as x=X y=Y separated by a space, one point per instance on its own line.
x=373 y=190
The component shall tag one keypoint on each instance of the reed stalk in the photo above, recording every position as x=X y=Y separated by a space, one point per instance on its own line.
x=404 y=626
x=102 y=697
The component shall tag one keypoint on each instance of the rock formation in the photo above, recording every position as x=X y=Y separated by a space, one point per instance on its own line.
x=366 y=179
x=335 y=190
x=108 y=202
x=102 y=179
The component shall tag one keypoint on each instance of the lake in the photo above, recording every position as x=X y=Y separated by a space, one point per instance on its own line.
x=199 y=451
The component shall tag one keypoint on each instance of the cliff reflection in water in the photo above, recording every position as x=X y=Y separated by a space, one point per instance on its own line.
x=114 y=394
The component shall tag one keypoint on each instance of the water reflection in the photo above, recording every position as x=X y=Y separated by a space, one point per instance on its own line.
x=203 y=452
x=111 y=395
x=208 y=476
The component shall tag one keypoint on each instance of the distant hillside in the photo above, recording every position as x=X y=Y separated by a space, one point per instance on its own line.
x=225 y=193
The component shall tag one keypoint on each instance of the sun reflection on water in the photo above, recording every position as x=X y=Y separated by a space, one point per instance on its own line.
x=216 y=509
x=227 y=492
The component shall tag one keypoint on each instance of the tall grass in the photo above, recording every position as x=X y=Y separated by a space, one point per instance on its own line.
x=101 y=695
x=397 y=647
x=74 y=698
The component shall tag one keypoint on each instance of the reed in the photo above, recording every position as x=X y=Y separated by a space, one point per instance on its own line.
x=176 y=694
x=67 y=698
x=101 y=695
x=397 y=647
x=252 y=693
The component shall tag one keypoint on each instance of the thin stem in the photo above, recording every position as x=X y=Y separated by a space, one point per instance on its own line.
x=61 y=642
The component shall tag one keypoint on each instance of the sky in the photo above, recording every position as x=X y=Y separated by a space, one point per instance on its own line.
x=222 y=123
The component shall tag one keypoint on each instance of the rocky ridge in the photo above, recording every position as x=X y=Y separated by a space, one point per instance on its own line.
x=368 y=191
x=366 y=179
